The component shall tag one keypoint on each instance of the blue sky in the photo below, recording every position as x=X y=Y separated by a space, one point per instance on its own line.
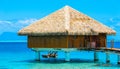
x=16 y=14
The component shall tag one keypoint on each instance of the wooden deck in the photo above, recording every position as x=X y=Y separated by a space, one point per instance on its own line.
x=112 y=50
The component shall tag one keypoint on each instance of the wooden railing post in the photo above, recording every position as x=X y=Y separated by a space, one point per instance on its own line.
x=112 y=43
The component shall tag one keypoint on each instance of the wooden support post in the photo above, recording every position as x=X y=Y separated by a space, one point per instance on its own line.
x=67 y=56
x=37 y=55
x=107 y=57
x=90 y=41
x=118 y=59
x=96 y=56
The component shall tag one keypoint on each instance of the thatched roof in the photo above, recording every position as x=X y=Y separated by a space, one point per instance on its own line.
x=66 y=21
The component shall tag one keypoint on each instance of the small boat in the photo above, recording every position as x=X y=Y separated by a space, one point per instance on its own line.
x=45 y=56
x=50 y=55
x=54 y=55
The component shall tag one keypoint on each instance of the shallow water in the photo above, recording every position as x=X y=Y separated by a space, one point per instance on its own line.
x=18 y=56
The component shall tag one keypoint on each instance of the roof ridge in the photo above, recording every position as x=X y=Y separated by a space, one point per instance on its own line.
x=67 y=18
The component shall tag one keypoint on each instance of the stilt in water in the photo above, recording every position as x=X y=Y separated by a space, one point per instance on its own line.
x=107 y=57
x=118 y=59
x=67 y=56
x=96 y=56
x=37 y=55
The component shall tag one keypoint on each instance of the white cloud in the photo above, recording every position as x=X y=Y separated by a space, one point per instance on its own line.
x=113 y=27
x=115 y=20
x=5 y=22
x=118 y=24
x=14 y=26
x=27 y=21
x=111 y=20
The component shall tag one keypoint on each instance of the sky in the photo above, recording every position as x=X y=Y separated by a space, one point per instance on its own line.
x=16 y=14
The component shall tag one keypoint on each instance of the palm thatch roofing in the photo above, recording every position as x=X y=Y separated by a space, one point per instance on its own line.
x=66 y=21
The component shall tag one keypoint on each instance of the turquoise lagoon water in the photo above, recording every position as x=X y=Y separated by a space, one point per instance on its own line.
x=16 y=55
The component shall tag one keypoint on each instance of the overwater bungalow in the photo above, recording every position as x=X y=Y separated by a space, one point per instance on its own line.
x=67 y=28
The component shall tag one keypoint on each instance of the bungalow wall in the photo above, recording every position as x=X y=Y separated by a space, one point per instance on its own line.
x=47 y=42
x=77 y=41
x=102 y=38
x=86 y=41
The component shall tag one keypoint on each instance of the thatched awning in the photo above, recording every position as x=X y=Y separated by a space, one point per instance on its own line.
x=66 y=21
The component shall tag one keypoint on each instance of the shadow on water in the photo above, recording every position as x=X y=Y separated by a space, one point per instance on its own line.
x=62 y=62
x=106 y=65
x=55 y=61
x=81 y=61
x=2 y=67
